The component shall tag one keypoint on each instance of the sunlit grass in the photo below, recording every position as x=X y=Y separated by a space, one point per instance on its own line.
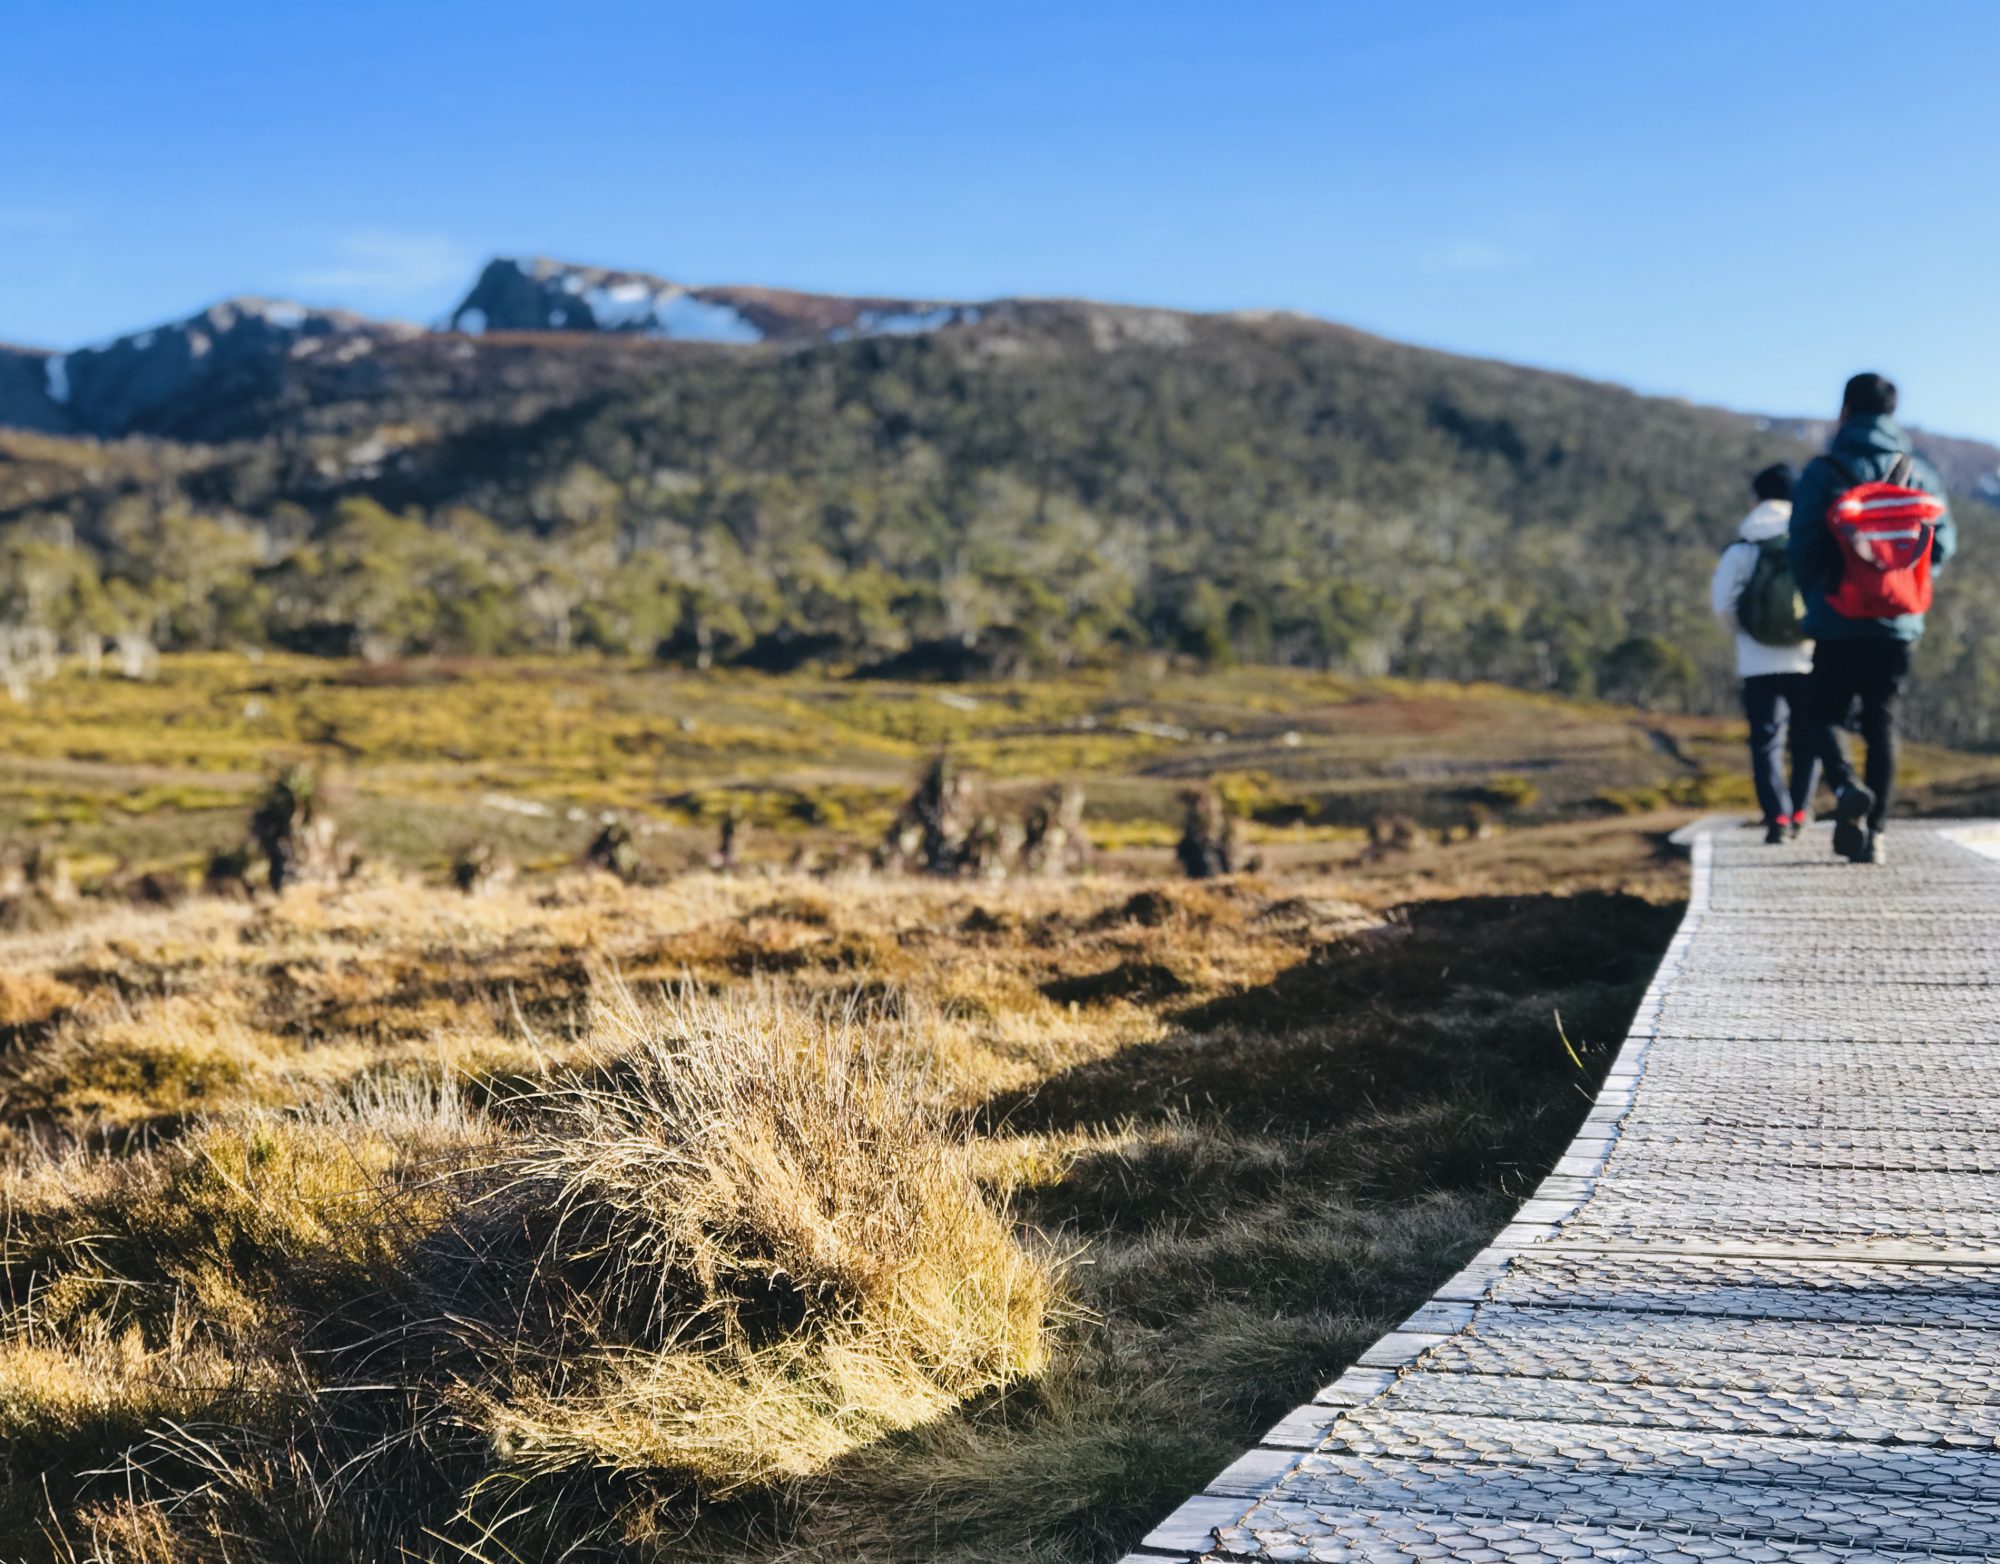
x=854 y=1217
x=432 y=758
x=804 y=1211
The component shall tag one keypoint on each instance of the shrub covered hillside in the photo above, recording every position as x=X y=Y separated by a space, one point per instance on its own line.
x=1049 y=483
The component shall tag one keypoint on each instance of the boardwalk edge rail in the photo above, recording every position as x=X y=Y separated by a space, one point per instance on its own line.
x=1189 y=1533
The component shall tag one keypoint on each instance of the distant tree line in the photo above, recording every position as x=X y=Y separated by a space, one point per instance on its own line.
x=1261 y=491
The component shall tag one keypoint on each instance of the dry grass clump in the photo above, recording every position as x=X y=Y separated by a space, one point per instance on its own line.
x=738 y=1248
x=950 y=826
x=246 y=1220
x=32 y=999
x=754 y=1247
x=183 y=1284
x=294 y=828
x=148 y=1067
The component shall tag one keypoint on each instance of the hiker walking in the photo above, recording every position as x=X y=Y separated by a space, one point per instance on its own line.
x=1869 y=525
x=1753 y=594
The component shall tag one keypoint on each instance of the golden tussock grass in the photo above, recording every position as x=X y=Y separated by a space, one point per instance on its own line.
x=741 y=1217
x=756 y=1246
x=688 y=1243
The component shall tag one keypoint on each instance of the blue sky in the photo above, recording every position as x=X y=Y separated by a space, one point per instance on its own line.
x=1740 y=201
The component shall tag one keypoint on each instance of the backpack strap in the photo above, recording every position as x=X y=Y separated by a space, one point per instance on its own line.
x=1834 y=566
x=1898 y=473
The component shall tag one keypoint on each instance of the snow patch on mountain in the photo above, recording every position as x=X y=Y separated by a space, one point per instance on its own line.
x=911 y=322
x=617 y=306
x=685 y=318
x=279 y=314
x=646 y=306
x=542 y=294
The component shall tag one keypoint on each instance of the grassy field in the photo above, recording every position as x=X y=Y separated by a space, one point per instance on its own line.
x=156 y=774
x=803 y=1213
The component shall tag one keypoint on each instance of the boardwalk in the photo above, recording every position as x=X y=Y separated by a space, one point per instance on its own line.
x=1755 y=1312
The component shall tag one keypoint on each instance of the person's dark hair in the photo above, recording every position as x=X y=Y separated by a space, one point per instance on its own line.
x=1869 y=396
x=1774 y=482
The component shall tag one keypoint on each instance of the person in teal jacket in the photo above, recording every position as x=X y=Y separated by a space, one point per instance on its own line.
x=1868 y=659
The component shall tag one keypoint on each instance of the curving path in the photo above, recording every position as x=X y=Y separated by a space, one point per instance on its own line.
x=1755 y=1312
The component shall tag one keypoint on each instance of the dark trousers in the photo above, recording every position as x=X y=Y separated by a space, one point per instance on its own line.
x=1777 y=705
x=1873 y=672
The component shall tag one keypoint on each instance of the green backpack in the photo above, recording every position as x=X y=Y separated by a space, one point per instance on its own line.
x=1770 y=609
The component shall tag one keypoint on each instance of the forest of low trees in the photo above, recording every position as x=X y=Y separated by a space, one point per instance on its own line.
x=967 y=504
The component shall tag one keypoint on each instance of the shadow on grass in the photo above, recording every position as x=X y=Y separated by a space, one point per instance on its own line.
x=1273 y=1185
x=1448 y=1002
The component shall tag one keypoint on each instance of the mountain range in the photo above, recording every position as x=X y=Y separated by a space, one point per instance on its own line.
x=192 y=378
x=196 y=378
x=580 y=457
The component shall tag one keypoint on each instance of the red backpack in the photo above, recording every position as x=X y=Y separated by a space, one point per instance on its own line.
x=1884 y=531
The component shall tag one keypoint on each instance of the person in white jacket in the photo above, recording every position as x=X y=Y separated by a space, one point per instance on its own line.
x=1776 y=679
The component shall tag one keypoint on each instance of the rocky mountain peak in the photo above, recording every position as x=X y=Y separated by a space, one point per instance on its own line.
x=125 y=383
x=544 y=294
x=548 y=295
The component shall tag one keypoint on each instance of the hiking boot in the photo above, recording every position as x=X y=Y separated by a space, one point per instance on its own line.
x=1877 y=850
x=1774 y=832
x=1799 y=821
x=1850 y=822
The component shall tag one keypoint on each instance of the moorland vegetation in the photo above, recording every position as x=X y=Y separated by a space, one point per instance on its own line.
x=737 y=1216
x=511 y=1186
x=528 y=756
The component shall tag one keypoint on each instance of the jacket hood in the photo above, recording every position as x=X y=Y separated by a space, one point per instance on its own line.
x=1869 y=437
x=1770 y=519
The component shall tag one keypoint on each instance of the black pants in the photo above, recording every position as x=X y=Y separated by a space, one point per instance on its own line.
x=1872 y=670
x=1778 y=706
